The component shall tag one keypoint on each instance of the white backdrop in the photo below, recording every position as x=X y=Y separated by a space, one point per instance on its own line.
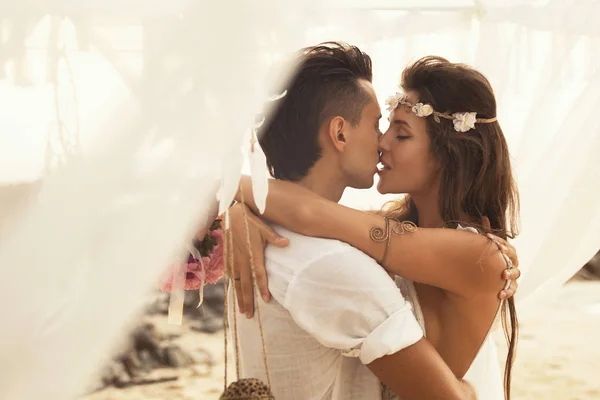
x=132 y=112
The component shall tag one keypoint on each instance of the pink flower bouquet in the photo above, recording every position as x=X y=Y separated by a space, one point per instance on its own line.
x=205 y=266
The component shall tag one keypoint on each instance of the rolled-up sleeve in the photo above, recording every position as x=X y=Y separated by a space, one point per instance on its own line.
x=348 y=302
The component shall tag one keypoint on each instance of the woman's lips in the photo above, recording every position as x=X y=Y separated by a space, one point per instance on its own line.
x=382 y=167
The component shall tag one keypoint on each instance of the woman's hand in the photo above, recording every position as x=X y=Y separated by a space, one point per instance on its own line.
x=512 y=272
x=260 y=234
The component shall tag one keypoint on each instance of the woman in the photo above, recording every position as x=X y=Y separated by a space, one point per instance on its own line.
x=446 y=150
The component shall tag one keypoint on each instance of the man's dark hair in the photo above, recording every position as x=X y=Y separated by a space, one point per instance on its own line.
x=324 y=85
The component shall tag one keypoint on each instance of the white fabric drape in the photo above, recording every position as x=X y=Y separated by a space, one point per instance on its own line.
x=164 y=98
x=132 y=114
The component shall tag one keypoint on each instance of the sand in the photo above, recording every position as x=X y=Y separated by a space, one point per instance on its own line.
x=558 y=357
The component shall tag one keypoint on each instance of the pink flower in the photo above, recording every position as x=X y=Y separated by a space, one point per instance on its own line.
x=216 y=265
x=218 y=235
x=192 y=279
x=213 y=270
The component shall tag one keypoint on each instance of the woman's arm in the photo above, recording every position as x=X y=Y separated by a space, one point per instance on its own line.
x=459 y=262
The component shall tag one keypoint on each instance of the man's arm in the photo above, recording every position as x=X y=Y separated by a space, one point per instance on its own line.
x=346 y=301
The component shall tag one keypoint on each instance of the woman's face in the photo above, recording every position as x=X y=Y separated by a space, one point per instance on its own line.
x=408 y=164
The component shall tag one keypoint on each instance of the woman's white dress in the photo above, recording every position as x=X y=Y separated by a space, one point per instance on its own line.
x=484 y=374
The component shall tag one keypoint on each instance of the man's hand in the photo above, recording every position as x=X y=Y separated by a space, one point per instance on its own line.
x=260 y=235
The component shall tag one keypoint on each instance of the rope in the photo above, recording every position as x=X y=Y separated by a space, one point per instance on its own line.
x=256 y=300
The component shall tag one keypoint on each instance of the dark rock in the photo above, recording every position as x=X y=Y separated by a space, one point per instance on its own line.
x=158 y=304
x=590 y=271
x=209 y=325
x=147 y=361
x=147 y=337
x=120 y=377
x=132 y=364
x=175 y=357
x=149 y=346
x=593 y=266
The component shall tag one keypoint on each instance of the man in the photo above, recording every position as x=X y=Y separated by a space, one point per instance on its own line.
x=338 y=324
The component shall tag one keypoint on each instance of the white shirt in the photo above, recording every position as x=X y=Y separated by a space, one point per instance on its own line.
x=334 y=309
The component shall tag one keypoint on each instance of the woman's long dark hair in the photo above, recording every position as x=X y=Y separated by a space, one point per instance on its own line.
x=476 y=173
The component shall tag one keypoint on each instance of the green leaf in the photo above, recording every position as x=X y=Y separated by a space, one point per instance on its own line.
x=215 y=225
x=206 y=245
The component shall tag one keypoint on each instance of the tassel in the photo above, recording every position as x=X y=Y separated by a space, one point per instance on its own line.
x=232 y=171
x=202 y=283
x=258 y=168
x=175 y=315
x=260 y=178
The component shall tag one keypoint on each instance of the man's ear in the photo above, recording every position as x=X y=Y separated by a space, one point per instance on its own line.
x=335 y=133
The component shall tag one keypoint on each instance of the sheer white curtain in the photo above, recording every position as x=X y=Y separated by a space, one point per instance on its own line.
x=160 y=98
x=544 y=64
x=134 y=114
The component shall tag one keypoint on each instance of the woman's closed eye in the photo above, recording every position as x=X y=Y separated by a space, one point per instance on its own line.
x=403 y=137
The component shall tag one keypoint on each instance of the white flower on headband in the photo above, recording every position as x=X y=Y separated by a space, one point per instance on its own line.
x=464 y=122
x=422 y=110
x=392 y=102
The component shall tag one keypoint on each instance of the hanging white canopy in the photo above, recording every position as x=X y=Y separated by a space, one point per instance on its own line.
x=132 y=114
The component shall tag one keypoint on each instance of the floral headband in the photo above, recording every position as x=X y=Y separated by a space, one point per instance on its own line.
x=463 y=121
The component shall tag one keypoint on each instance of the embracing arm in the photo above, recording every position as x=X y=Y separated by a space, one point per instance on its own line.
x=471 y=264
x=418 y=372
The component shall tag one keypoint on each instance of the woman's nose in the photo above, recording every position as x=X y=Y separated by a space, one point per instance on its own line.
x=383 y=142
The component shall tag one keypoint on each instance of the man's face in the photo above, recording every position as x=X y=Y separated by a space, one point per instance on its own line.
x=361 y=155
